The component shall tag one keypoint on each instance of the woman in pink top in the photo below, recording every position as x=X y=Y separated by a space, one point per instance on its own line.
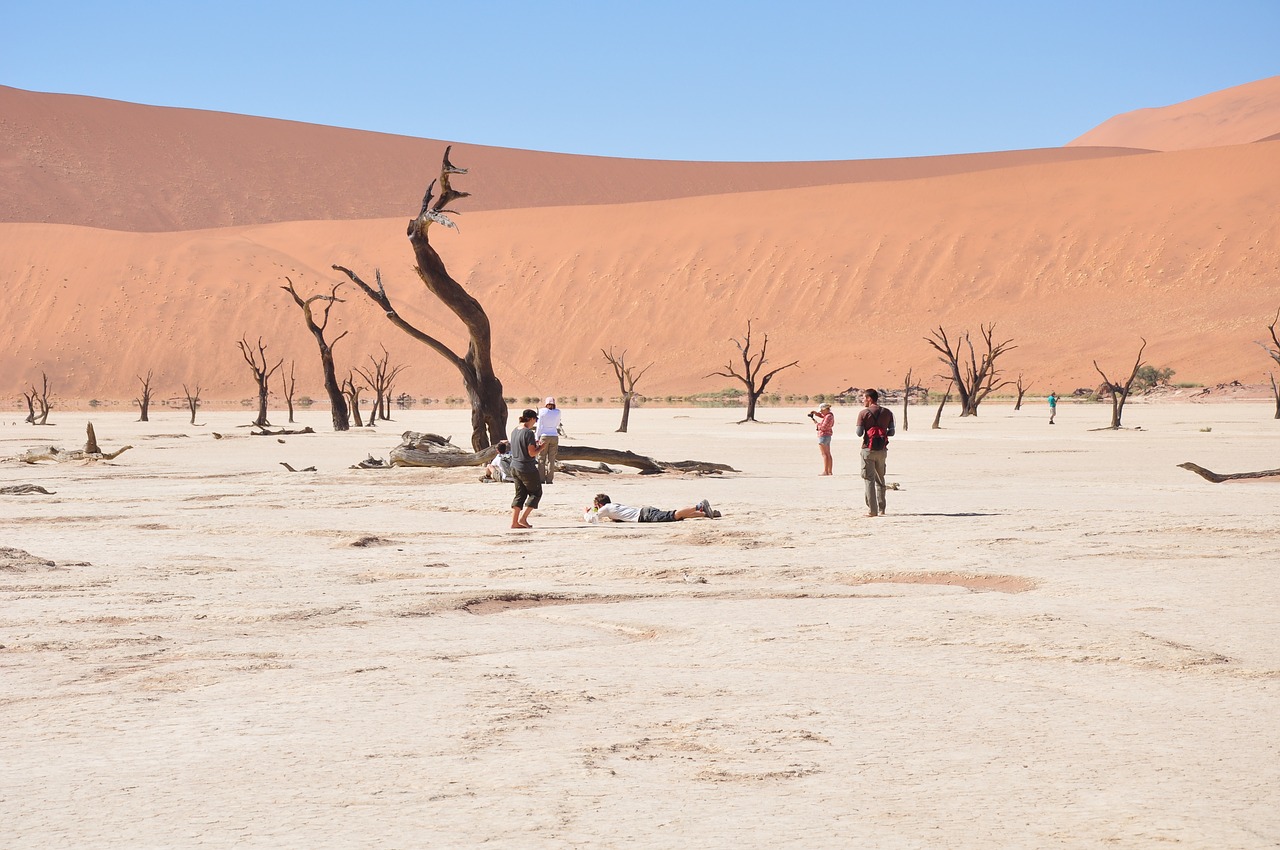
x=824 y=420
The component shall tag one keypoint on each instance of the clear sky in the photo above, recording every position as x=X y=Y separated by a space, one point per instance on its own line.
x=692 y=80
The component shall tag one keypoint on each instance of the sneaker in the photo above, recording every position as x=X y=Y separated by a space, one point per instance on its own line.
x=716 y=515
x=704 y=506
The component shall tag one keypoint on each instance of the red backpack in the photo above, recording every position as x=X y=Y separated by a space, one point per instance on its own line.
x=875 y=437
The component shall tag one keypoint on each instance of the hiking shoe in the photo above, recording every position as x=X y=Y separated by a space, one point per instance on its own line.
x=716 y=515
x=704 y=506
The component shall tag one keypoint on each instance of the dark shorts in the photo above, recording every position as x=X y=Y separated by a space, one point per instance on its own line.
x=528 y=487
x=655 y=515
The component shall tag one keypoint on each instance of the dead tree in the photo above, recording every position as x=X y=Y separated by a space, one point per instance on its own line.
x=337 y=402
x=193 y=400
x=1022 y=389
x=937 y=417
x=1120 y=393
x=144 y=399
x=906 y=397
x=484 y=390
x=1274 y=354
x=1218 y=478
x=288 y=385
x=627 y=378
x=352 y=391
x=91 y=451
x=38 y=402
x=974 y=377
x=380 y=376
x=752 y=365
x=257 y=360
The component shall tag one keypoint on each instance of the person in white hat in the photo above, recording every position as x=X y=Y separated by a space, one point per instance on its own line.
x=548 y=435
x=824 y=421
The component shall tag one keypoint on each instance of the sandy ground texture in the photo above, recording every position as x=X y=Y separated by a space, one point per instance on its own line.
x=1056 y=638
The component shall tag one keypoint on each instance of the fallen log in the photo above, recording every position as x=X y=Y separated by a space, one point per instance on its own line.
x=282 y=432
x=646 y=465
x=432 y=450
x=25 y=490
x=1218 y=478
x=90 y=452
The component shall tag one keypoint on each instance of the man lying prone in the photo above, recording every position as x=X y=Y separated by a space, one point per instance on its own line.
x=605 y=508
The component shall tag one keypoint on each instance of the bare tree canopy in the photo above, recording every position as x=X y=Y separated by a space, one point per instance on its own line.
x=752 y=365
x=380 y=376
x=484 y=390
x=337 y=401
x=974 y=376
x=1120 y=392
x=627 y=377
x=193 y=400
x=257 y=360
x=38 y=402
x=1274 y=354
x=144 y=398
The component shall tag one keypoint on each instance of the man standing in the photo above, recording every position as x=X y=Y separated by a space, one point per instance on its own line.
x=548 y=434
x=824 y=420
x=524 y=468
x=875 y=427
x=1053 y=406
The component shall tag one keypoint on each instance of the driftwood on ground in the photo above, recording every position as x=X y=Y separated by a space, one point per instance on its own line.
x=1218 y=478
x=435 y=451
x=24 y=490
x=281 y=432
x=90 y=452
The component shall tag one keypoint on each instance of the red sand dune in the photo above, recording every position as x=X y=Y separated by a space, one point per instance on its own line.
x=1076 y=260
x=1234 y=116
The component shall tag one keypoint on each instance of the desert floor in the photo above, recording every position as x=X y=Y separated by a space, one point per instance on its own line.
x=1056 y=638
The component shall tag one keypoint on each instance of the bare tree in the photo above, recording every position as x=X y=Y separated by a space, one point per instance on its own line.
x=946 y=396
x=193 y=400
x=1022 y=389
x=752 y=365
x=974 y=377
x=38 y=402
x=144 y=399
x=337 y=402
x=906 y=397
x=352 y=390
x=1274 y=354
x=257 y=360
x=380 y=376
x=627 y=377
x=288 y=385
x=1120 y=393
x=484 y=390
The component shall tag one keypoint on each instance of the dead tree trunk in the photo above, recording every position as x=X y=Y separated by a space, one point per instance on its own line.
x=289 y=383
x=974 y=378
x=337 y=402
x=937 y=417
x=144 y=399
x=38 y=402
x=380 y=377
x=352 y=392
x=484 y=390
x=262 y=373
x=1120 y=394
x=1274 y=354
x=193 y=400
x=627 y=378
x=906 y=397
x=1218 y=478
x=1022 y=389
x=91 y=441
x=752 y=364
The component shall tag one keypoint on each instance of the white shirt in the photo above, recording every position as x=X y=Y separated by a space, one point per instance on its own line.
x=613 y=511
x=548 y=422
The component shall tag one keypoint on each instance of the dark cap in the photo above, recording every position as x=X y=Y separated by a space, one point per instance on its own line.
x=528 y=414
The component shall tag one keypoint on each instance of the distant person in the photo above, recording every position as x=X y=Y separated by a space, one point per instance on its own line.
x=524 y=469
x=1053 y=406
x=824 y=420
x=548 y=434
x=499 y=469
x=603 y=507
x=875 y=427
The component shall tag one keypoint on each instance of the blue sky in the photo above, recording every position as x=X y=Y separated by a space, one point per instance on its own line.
x=659 y=80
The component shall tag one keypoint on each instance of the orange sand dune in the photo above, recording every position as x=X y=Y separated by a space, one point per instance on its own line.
x=1074 y=260
x=1233 y=116
x=101 y=163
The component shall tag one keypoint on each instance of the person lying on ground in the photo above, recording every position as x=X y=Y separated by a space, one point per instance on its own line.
x=499 y=469
x=605 y=508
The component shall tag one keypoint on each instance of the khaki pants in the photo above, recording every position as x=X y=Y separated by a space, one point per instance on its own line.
x=547 y=458
x=873 y=464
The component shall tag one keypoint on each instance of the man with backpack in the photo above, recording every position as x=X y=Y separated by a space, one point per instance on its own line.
x=875 y=427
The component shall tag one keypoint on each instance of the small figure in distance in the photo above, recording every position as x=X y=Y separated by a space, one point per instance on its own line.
x=875 y=427
x=603 y=507
x=1053 y=406
x=824 y=420
x=524 y=469
x=548 y=434
x=499 y=469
